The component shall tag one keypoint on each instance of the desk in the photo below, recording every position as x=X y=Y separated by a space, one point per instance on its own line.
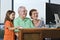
x=38 y=33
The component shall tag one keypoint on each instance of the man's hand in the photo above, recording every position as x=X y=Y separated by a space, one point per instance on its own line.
x=19 y=27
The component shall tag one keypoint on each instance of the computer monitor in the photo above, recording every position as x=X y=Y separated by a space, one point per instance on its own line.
x=52 y=9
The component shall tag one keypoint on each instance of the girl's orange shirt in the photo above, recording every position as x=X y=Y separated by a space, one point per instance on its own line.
x=8 y=34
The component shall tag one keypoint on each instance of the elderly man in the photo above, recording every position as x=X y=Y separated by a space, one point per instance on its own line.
x=22 y=21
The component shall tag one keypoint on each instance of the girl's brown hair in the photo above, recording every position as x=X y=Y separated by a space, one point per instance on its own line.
x=7 y=16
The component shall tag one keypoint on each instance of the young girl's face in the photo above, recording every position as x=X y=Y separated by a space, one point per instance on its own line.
x=12 y=16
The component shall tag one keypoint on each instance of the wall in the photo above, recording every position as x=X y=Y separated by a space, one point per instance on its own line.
x=55 y=1
x=5 y=5
x=0 y=10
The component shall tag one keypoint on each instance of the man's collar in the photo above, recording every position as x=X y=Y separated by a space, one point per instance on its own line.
x=22 y=19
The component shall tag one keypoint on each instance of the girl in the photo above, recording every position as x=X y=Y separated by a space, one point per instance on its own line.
x=8 y=25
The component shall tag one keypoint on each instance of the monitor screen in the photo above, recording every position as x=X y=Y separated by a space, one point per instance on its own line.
x=52 y=9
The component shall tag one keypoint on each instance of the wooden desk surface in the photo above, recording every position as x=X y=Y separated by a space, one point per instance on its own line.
x=44 y=32
x=38 y=29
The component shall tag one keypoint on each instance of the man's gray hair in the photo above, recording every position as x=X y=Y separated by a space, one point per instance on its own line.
x=21 y=7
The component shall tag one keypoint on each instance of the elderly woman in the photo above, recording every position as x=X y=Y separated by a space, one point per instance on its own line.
x=34 y=16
